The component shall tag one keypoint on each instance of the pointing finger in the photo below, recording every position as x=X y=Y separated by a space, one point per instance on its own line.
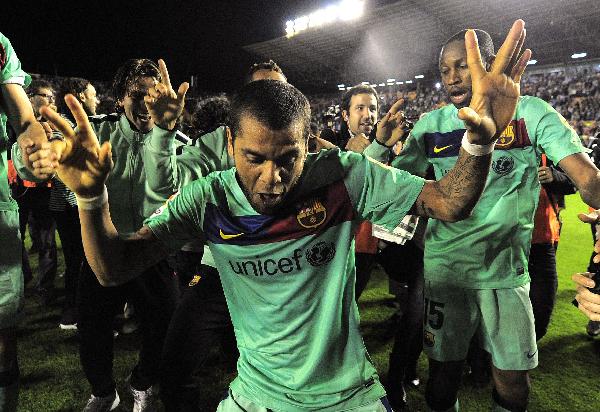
x=57 y=121
x=473 y=55
x=164 y=73
x=183 y=88
x=508 y=47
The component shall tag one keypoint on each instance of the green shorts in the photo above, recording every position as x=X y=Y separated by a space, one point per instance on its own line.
x=11 y=275
x=503 y=319
x=237 y=403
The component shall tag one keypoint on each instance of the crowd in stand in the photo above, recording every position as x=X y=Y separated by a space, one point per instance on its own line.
x=575 y=96
x=158 y=149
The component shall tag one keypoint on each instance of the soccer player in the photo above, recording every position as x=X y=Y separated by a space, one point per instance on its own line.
x=476 y=276
x=280 y=226
x=14 y=107
x=142 y=136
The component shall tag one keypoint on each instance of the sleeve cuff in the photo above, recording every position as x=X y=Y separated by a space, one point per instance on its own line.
x=15 y=80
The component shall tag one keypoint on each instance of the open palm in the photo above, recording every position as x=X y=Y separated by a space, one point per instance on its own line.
x=495 y=92
x=83 y=165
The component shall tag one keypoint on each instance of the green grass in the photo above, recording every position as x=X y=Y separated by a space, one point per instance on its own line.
x=566 y=380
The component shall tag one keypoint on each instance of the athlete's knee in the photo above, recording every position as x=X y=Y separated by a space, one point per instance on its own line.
x=512 y=380
x=511 y=389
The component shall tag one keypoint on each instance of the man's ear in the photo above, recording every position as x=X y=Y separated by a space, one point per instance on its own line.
x=229 y=141
x=81 y=96
x=345 y=115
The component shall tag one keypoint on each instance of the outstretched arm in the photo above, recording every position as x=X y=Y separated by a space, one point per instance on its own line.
x=494 y=101
x=83 y=166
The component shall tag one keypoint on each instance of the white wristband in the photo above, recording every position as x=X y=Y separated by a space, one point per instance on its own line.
x=477 y=149
x=92 y=203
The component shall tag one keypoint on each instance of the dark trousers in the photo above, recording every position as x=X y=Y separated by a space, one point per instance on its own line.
x=69 y=230
x=200 y=322
x=34 y=203
x=403 y=263
x=154 y=295
x=544 y=283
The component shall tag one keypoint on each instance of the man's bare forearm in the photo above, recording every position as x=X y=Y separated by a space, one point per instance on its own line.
x=454 y=196
x=115 y=258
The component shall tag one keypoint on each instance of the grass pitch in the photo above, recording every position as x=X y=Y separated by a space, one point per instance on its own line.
x=566 y=380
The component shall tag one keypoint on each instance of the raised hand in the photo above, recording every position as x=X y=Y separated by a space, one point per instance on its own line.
x=358 y=143
x=390 y=128
x=495 y=92
x=83 y=165
x=164 y=105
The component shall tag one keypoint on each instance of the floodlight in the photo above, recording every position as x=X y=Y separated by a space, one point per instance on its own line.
x=419 y=76
x=531 y=62
x=408 y=82
x=578 y=55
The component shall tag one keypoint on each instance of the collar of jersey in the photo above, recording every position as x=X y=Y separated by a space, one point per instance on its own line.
x=127 y=132
x=320 y=169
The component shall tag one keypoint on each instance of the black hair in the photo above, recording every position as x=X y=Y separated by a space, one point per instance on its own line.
x=128 y=74
x=277 y=105
x=74 y=86
x=270 y=65
x=211 y=113
x=486 y=45
x=353 y=91
x=37 y=84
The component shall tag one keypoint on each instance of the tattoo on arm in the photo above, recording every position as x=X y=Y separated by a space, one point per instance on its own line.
x=454 y=196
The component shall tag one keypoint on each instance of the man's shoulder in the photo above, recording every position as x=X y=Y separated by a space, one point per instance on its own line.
x=436 y=120
x=532 y=106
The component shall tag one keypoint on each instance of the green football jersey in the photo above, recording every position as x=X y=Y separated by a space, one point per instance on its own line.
x=10 y=72
x=289 y=278
x=490 y=249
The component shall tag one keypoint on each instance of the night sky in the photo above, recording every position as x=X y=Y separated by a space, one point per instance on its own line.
x=92 y=38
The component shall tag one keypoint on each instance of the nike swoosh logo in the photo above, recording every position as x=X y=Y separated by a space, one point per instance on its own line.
x=532 y=355
x=227 y=237
x=440 y=149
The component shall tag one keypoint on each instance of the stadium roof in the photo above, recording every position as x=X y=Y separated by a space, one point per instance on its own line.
x=403 y=39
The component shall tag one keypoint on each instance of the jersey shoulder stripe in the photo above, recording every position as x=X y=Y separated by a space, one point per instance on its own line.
x=322 y=209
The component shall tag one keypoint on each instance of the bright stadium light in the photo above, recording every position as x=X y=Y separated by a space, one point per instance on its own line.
x=382 y=84
x=533 y=61
x=578 y=55
x=408 y=82
x=341 y=85
x=438 y=85
x=289 y=28
x=346 y=10
x=365 y=83
x=419 y=76
x=391 y=80
x=399 y=82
